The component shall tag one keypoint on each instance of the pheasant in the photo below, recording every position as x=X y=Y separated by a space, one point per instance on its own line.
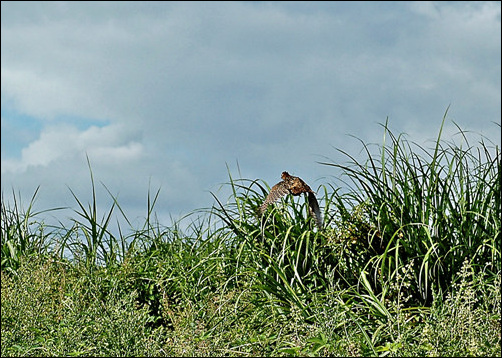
x=295 y=186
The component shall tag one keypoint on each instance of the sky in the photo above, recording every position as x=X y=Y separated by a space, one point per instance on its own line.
x=175 y=96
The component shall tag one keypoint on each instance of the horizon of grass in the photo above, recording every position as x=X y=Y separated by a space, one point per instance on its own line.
x=408 y=263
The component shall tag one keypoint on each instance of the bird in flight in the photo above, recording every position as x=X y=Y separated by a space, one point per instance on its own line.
x=295 y=186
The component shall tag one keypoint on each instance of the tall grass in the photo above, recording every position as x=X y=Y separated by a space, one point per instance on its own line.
x=433 y=207
x=24 y=236
x=411 y=248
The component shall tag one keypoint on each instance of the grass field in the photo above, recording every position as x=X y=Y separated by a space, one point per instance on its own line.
x=408 y=264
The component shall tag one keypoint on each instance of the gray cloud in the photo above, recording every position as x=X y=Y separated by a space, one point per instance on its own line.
x=170 y=93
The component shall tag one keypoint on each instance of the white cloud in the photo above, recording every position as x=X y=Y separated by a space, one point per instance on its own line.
x=64 y=142
x=39 y=95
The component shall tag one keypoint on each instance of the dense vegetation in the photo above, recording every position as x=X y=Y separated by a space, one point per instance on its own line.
x=408 y=264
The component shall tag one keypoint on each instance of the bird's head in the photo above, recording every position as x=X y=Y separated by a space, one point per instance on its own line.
x=285 y=175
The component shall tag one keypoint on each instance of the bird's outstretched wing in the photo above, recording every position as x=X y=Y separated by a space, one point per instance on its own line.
x=314 y=210
x=278 y=191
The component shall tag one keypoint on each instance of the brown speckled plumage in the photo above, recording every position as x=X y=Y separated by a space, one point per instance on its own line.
x=295 y=186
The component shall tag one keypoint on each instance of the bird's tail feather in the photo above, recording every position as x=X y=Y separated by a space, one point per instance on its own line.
x=314 y=210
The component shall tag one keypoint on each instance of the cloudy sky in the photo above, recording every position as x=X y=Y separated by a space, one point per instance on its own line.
x=168 y=94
